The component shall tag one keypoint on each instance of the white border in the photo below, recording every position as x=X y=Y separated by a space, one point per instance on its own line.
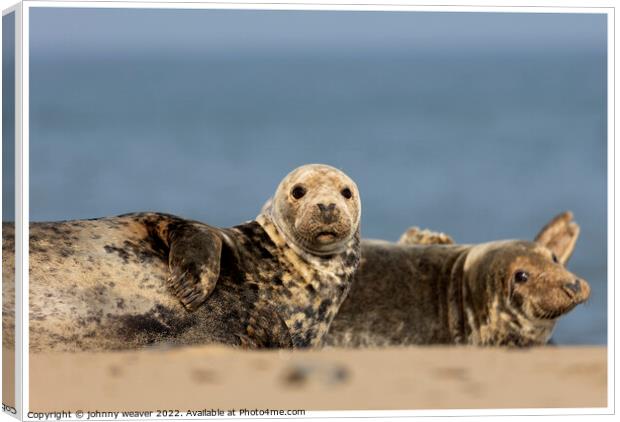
x=21 y=349
x=22 y=150
x=326 y=5
x=22 y=211
x=611 y=207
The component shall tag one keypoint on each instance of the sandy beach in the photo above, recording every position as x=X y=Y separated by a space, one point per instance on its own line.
x=8 y=376
x=333 y=379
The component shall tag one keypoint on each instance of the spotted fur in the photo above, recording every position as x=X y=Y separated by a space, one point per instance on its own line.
x=149 y=278
x=461 y=294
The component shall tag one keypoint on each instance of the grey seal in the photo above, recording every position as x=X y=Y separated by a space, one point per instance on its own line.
x=150 y=278
x=503 y=293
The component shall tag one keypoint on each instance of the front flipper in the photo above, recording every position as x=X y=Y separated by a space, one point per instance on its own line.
x=417 y=236
x=194 y=260
x=265 y=329
x=560 y=235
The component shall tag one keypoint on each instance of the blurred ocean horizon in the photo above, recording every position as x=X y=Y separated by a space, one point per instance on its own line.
x=481 y=143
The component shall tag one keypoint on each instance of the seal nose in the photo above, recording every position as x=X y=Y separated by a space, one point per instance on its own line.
x=329 y=213
x=325 y=208
x=574 y=287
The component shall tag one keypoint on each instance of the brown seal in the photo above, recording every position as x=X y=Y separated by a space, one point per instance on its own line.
x=149 y=278
x=499 y=293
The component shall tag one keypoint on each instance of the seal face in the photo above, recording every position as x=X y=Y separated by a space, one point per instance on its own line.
x=498 y=293
x=317 y=208
x=149 y=278
x=514 y=292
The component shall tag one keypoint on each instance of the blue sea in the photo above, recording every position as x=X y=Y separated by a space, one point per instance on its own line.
x=482 y=145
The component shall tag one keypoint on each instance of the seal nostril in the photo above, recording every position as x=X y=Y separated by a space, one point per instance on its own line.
x=575 y=286
x=329 y=213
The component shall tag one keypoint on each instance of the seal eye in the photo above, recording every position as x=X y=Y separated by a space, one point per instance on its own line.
x=521 y=276
x=298 y=192
x=346 y=192
x=555 y=258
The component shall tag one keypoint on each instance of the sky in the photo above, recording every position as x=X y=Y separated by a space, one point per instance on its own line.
x=8 y=117
x=59 y=31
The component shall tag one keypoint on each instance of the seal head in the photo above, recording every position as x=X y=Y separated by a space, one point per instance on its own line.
x=316 y=208
x=520 y=287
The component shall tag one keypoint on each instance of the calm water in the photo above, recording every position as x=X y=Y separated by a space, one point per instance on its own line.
x=482 y=146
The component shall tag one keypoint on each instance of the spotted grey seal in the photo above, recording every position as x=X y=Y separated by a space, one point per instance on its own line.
x=498 y=293
x=152 y=278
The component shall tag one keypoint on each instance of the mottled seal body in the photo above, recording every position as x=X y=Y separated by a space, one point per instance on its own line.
x=498 y=293
x=150 y=278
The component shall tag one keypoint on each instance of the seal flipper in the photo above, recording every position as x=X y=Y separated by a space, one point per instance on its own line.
x=560 y=236
x=266 y=329
x=194 y=261
x=417 y=236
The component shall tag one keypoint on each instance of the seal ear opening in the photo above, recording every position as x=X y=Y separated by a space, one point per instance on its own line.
x=560 y=236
